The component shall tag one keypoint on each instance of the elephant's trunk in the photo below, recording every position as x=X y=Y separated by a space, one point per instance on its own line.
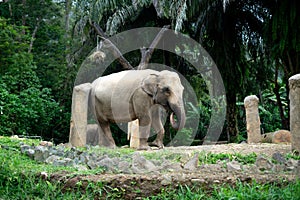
x=178 y=110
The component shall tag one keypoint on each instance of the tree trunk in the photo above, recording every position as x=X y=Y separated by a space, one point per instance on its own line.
x=34 y=34
x=284 y=120
x=68 y=4
x=116 y=52
x=23 y=16
x=147 y=53
x=231 y=118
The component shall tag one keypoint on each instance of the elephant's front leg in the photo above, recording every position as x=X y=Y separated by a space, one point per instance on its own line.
x=144 y=132
x=158 y=127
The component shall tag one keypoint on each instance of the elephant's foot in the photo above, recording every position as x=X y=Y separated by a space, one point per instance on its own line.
x=111 y=146
x=157 y=143
x=144 y=145
x=143 y=148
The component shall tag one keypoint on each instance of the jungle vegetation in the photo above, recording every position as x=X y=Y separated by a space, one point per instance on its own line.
x=254 y=43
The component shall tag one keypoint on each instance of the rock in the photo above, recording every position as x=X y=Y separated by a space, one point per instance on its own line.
x=30 y=153
x=215 y=167
x=84 y=157
x=170 y=166
x=192 y=164
x=81 y=167
x=267 y=137
x=263 y=163
x=108 y=163
x=278 y=168
x=291 y=164
x=91 y=164
x=279 y=158
x=44 y=175
x=52 y=158
x=24 y=148
x=46 y=144
x=140 y=164
x=184 y=157
x=233 y=166
x=52 y=150
x=281 y=136
x=70 y=154
x=217 y=181
x=63 y=162
x=41 y=153
x=124 y=167
x=297 y=170
x=166 y=180
x=198 y=180
x=179 y=177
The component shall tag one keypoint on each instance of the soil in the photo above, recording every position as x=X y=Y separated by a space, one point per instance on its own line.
x=135 y=186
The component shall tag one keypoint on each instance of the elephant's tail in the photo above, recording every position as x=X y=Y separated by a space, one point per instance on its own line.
x=92 y=105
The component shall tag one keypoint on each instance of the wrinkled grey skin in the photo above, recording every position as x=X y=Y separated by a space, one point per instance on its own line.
x=137 y=94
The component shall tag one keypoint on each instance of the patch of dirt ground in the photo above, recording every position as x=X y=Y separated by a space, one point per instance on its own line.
x=134 y=186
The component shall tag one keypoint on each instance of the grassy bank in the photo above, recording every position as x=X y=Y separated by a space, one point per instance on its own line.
x=20 y=178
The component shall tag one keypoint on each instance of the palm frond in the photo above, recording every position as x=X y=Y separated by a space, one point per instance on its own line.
x=181 y=16
x=124 y=14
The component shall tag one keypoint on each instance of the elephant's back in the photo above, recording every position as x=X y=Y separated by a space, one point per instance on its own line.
x=122 y=82
x=123 y=77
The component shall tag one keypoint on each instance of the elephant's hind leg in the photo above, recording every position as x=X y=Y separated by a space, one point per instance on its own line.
x=158 y=142
x=107 y=132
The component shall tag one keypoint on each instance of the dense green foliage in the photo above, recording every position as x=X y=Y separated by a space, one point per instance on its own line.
x=27 y=108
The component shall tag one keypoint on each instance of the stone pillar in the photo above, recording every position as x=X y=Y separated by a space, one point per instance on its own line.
x=133 y=134
x=252 y=118
x=294 y=85
x=79 y=115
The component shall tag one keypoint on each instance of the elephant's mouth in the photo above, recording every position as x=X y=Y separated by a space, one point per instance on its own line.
x=167 y=107
x=175 y=111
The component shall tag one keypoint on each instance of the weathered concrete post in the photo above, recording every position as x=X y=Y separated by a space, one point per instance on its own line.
x=252 y=118
x=294 y=85
x=133 y=134
x=78 y=127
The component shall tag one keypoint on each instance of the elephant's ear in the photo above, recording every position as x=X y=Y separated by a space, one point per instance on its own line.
x=149 y=84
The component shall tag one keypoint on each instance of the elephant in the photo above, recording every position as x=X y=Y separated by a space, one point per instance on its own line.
x=137 y=94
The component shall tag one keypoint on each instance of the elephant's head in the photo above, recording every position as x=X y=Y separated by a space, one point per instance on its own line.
x=166 y=89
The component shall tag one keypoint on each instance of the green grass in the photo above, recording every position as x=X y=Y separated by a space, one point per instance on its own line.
x=242 y=191
x=210 y=158
x=19 y=178
x=19 y=175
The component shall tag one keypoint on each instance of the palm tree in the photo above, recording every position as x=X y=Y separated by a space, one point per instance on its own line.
x=282 y=41
x=230 y=32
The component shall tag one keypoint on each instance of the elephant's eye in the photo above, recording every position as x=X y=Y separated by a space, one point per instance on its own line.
x=166 y=90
